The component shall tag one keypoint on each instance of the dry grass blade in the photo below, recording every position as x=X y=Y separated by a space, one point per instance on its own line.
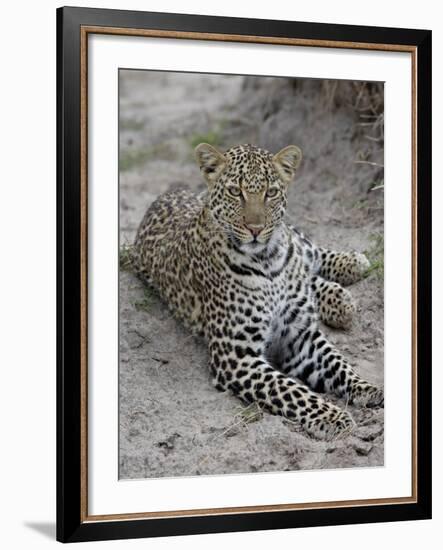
x=125 y=258
x=249 y=414
x=369 y=162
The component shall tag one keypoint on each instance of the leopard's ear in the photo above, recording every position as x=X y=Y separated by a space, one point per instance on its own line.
x=211 y=162
x=287 y=162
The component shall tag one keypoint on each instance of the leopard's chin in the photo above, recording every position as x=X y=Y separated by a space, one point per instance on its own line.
x=253 y=248
x=254 y=245
x=242 y=240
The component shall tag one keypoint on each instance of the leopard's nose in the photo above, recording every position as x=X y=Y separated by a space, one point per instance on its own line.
x=254 y=228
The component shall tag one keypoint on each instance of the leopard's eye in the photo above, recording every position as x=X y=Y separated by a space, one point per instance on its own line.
x=234 y=191
x=271 y=193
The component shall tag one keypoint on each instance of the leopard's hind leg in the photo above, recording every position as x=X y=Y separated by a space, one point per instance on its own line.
x=335 y=304
x=344 y=268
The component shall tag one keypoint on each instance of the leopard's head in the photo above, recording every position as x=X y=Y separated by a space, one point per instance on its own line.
x=247 y=188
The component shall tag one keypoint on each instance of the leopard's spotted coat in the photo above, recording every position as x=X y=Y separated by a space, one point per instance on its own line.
x=232 y=269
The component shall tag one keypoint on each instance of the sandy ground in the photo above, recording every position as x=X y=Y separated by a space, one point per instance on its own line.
x=172 y=420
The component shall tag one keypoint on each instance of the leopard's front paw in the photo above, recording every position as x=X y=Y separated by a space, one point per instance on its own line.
x=364 y=394
x=331 y=423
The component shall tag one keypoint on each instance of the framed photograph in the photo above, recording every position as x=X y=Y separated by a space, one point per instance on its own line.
x=244 y=274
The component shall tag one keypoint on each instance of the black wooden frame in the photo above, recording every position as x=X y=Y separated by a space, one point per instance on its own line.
x=70 y=526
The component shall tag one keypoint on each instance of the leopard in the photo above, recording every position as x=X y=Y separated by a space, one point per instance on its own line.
x=232 y=268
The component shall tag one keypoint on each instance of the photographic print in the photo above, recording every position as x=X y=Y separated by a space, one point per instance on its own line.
x=251 y=301
x=230 y=331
